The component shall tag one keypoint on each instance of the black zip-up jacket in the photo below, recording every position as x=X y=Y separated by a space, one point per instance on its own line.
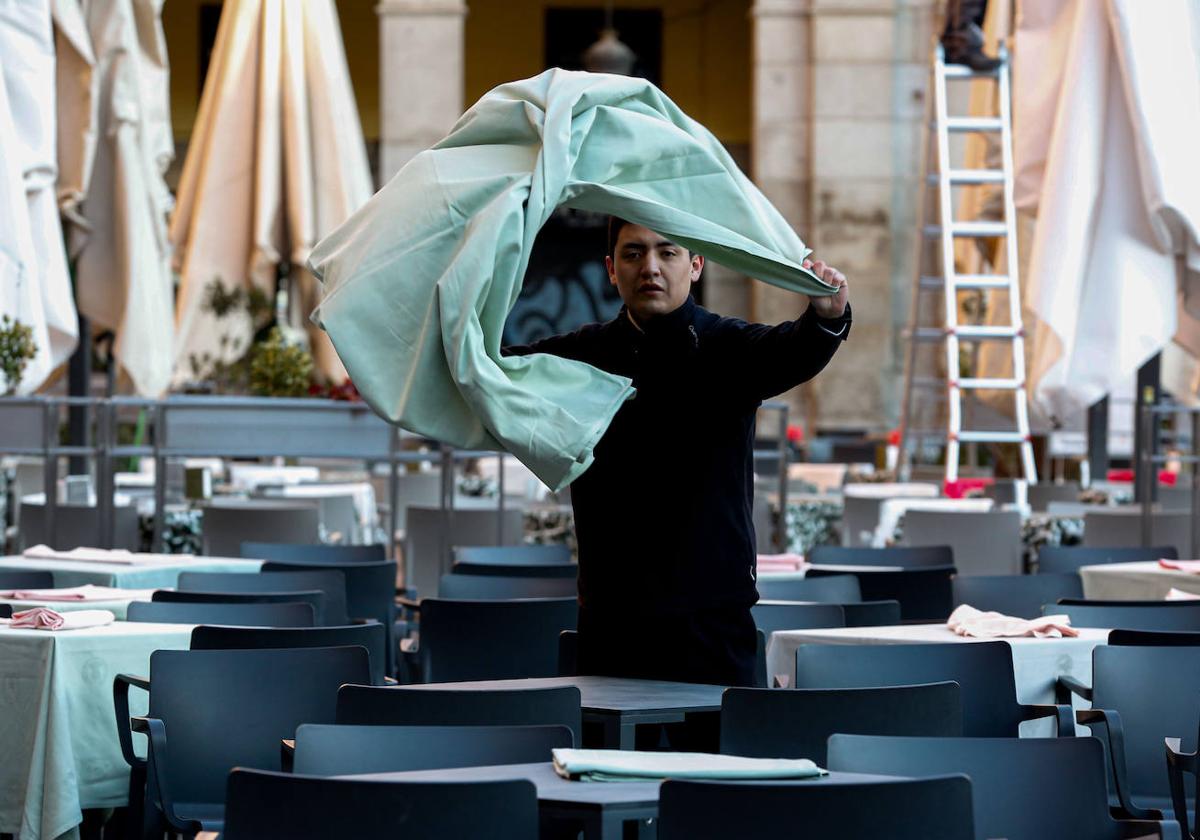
x=663 y=514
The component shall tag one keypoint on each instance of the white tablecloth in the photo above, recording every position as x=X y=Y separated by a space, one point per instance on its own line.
x=1038 y=663
x=1146 y=581
x=57 y=725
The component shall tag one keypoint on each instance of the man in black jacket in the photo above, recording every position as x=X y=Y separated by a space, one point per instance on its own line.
x=663 y=515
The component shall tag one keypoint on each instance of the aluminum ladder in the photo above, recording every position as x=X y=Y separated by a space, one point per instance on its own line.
x=945 y=231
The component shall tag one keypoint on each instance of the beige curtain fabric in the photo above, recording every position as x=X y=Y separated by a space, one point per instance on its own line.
x=116 y=145
x=35 y=287
x=276 y=161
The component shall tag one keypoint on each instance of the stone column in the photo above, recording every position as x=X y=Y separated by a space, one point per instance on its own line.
x=421 y=76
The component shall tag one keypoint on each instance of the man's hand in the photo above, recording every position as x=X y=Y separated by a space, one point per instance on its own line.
x=834 y=305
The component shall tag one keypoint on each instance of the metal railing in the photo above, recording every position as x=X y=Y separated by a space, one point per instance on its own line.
x=1148 y=460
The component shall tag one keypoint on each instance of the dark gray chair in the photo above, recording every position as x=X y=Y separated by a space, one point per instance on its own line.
x=331 y=584
x=766 y=723
x=291 y=614
x=340 y=750
x=496 y=587
x=923 y=592
x=319 y=554
x=1130 y=615
x=426 y=536
x=1023 y=788
x=903 y=809
x=14 y=580
x=368 y=636
x=835 y=589
x=284 y=806
x=1019 y=595
x=432 y=706
x=568 y=571
x=481 y=640
x=906 y=556
x=1109 y=528
x=984 y=542
x=983 y=670
x=229 y=523
x=75 y=526
x=1039 y=496
x=770 y=616
x=1064 y=559
x=872 y=613
x=312 y=597
x=556 y=554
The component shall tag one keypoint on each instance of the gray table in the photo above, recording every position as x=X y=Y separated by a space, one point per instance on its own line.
x=618 y=705
x=600 y=808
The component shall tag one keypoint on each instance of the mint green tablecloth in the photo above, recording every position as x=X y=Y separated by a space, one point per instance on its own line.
x=418 y=282
x=117 y=608
x=58 y=739
x=157 y=576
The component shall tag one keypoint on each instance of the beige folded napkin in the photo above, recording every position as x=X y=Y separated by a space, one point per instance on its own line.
x=44 y=618
x=634 y=766
x=87 y=592
x=1174 y=594
x=1192 y=567
x=968 y=621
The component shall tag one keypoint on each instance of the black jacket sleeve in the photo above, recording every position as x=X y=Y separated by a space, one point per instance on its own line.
x=776 y=359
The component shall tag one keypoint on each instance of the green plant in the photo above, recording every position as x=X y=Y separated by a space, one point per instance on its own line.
x=229 y=371
x=279 y=369
x=17 y=348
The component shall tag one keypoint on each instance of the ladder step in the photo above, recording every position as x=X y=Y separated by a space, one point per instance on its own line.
x=960 y=177
x=964 y=124
x=992 y=437
x=962 y=71
x=968 y=281
x=975 y=383
x=977 y=331
x=974 y=230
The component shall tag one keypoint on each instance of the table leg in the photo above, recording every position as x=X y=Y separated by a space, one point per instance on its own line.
x=619 y=733
x=603 y=827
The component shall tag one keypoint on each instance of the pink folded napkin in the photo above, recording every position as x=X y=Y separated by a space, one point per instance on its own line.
x=44 y=618
x=782 y=562
x=1174 y=594
x=41 y=595
x=1192 y=567
x=968 y=621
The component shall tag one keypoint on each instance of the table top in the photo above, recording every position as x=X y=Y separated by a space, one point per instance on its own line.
x=900 y=634
x=88 y=635
x=608 y=694
x=1142 y=567
x=553 y=789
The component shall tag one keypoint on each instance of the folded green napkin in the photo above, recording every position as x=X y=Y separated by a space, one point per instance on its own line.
x=632 y=766
x=418 y=283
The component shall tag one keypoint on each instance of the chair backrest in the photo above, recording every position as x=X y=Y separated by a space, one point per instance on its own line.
x=340 y=750
x=1153 y=638
x=923 y=593
x=13 y=580
x=554 y=554
x=1022 y=787
x=984 y=542
x=433 y=706
x=770 y=616
x=313 y=597
x=1040 y=495
x=496 y=587
x=322 y=555
x=275 y=806
x=227 y=525
x=1019 y=595
x=904 y=809
x=75 y=525
x=481 y=640
x=426 y=536
x=369 y=636
x=834 y=589
x=765 y=723
x=1156 y=690
x=548 y=570
x=860 y=518
x=906 y=556
x=1153 y=615
x=1124 y=528
x=568 y=653
x=1069 y=559
x=6 y=611
x=332 y=584
x=872 y=613
x=228 y=708
x=370 y=587
x=983 y=670
x=292 y=614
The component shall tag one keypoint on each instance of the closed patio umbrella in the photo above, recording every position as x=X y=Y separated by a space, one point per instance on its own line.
x=276 y=160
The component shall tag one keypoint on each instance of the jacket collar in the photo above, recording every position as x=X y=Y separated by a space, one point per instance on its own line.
x=663 y=326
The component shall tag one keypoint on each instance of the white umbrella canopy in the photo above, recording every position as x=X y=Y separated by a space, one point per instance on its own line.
x=1115 y=185
x=35 y=287
x=115 y=146
x=276 y=161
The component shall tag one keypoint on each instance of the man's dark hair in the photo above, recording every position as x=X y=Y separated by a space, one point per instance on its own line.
x=615 y=223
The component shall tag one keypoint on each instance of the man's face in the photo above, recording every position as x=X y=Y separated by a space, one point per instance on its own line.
x=653 y=274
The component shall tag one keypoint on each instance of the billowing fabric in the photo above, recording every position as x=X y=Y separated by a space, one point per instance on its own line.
x=1116 y=186
x=35 y=287
x=115 y=146
x=419 y=282
x=276 y=161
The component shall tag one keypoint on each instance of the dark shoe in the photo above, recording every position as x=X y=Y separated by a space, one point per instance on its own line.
x=965 y=46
